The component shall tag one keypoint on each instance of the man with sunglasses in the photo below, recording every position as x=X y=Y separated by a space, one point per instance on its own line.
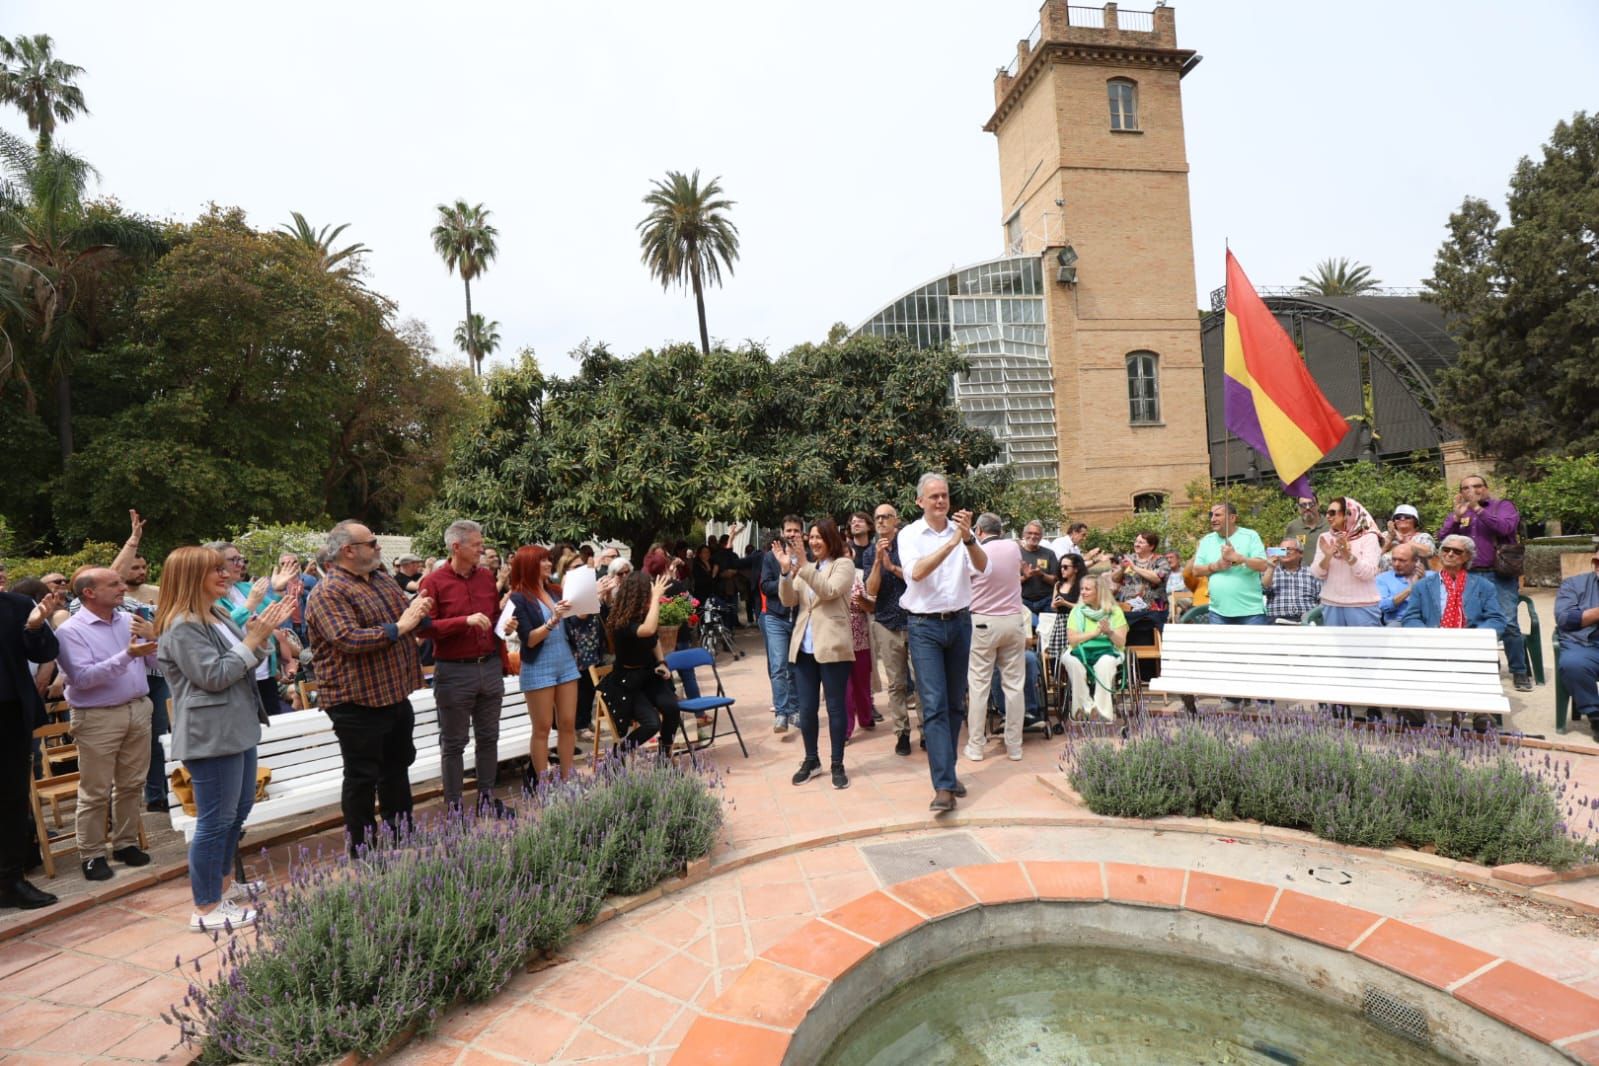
x=1577 y=618
x=1308 y=528
x=885 y=584
x=367 y=668
x=1455 y=596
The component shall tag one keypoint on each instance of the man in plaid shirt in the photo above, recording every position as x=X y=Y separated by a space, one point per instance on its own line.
x=367 y=666
x=1291 y=590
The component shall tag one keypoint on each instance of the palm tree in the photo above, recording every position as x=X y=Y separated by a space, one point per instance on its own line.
x=1338 y=277
x=60 y=248
x=465 y=240
x=687 y=239
x=320 y=242
x=40 y=85
x=478 y=339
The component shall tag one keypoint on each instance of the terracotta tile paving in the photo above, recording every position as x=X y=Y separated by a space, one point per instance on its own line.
x=1518 y=996
x=680 y=974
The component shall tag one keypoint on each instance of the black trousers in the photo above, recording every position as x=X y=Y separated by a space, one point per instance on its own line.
x=652 y=706
x=16 y=759
x=377 y=749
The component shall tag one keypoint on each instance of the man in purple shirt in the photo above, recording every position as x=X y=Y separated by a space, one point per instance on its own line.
x=999 y=640
x=103 y=652
x=1492 y=524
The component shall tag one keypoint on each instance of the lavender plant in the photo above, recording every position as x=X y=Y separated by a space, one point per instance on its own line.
x=351 y=952
x=1470 y=799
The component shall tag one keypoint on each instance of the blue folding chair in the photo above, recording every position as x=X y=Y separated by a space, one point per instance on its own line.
x=687 y=662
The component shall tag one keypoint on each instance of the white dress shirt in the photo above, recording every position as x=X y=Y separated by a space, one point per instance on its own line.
x=948 y=588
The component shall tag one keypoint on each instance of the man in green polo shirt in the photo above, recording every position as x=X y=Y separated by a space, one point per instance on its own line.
x=1233 y=558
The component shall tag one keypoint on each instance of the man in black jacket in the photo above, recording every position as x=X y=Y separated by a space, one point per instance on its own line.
x=25 y=636
x=777 y=626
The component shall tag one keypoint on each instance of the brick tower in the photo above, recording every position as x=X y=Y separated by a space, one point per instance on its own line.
x=1094 y=179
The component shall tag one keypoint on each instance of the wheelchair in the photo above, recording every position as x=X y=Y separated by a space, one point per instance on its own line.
x=1127 y=697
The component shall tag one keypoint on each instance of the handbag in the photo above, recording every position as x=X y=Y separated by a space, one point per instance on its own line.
x=183 y=787
x=1510 y=560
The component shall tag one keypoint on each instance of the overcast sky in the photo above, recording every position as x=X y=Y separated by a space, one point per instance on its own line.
x=850 y=135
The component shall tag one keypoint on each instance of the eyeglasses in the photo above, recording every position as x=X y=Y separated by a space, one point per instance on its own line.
x=223 y=569
x=884 y=517
x=373 y=543
x=56 y=581
x=1332 y=512
x=1451 y=550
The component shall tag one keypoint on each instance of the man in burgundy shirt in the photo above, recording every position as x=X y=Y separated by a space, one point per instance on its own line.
x=468 y=684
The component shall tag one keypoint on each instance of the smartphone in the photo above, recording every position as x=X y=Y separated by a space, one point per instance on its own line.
x=1276 y=553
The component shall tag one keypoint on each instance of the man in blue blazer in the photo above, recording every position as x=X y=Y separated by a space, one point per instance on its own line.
x=1480 y=602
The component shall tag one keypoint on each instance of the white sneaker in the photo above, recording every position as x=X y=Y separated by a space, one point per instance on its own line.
x=974 y=751
x=244 y=891
x=1013 y=754
x=229 y=913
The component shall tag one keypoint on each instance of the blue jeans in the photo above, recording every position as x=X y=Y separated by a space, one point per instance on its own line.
x=224 y=792
x=1031 y=689
x=1334 y=615
x=155 y=782
x=778 y=631
x=1240 y=620
x=812 y=680
x=1509 y=595
x=939 y=649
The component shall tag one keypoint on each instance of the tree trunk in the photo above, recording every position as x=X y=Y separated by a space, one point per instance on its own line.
x=699 y=305
x=471 y=331
x=64 y=415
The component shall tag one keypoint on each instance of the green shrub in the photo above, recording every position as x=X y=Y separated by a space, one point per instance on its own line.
x=93 y=553
x=351 y=953
x=1469 y=800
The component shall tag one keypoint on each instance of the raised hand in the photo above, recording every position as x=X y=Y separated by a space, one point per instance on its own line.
x=963 y=523
x=658 y=586
x=136 y=523
x=46 y=608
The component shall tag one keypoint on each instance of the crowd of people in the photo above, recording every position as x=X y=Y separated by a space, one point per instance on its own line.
x=939 y=615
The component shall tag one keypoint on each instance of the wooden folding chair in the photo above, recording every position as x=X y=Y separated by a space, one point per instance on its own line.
x=56 y=746
x=602 y=716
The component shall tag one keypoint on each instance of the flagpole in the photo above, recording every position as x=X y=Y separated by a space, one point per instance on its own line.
x=1226 y=430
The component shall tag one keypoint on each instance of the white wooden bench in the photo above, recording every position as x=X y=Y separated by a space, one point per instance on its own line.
x=1417 y=669
x=308 y=773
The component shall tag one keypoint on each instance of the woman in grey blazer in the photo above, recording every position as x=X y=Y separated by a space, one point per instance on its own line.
x=822 y=649
x=216 y=720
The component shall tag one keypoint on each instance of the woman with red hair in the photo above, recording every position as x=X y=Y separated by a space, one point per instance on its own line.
x=549 y=669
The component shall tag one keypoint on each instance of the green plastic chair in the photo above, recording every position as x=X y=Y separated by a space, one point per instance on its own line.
x=1562 y=697
x=1312 y=617
x=1197 y=614
x=1534 y=642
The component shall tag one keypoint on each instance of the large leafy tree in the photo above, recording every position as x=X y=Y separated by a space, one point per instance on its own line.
x=1523 y=303
x=1338 y=277
x=65 y=252
x=253 y=383
x=478 y=339
x=636 y=449
x=466 y=242
x=687 y=237
x=38 y=84
x=343 y=262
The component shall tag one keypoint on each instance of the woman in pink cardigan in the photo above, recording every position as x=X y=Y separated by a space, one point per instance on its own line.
x=1346 y=563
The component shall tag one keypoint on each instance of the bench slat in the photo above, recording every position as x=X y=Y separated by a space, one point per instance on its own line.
x=1359 y=697
x=1384 y=679
x=1242 y=656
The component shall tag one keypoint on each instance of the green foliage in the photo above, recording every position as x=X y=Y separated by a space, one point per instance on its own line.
x=1338 y=277
x=1523 y=302
x=93 y=553
x=1469 y=800
x=8 y=540
x=1562 y=488
x=351 y=954
x=630 y=449
x=303 y=400
x=262 y=544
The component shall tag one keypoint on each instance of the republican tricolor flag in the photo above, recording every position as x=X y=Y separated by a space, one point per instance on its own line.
x=1272 y=402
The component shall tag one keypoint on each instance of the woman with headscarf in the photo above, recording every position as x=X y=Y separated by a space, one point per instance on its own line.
x=1346 y=562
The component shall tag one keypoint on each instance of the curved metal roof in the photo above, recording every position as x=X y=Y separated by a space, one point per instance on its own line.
x=1411 y=326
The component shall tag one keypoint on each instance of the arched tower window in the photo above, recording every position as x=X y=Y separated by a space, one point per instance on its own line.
x=1143 y=388
x=1123 y=103
x=1146 y=502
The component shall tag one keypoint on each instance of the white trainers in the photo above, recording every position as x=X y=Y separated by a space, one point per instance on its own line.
x=974 y=751
x=229 y=914
x=244 y=891
x=1013 y=754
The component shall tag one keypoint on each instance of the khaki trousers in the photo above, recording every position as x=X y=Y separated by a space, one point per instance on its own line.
x=997 y=640
x=113 y=760
x=891 y=662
